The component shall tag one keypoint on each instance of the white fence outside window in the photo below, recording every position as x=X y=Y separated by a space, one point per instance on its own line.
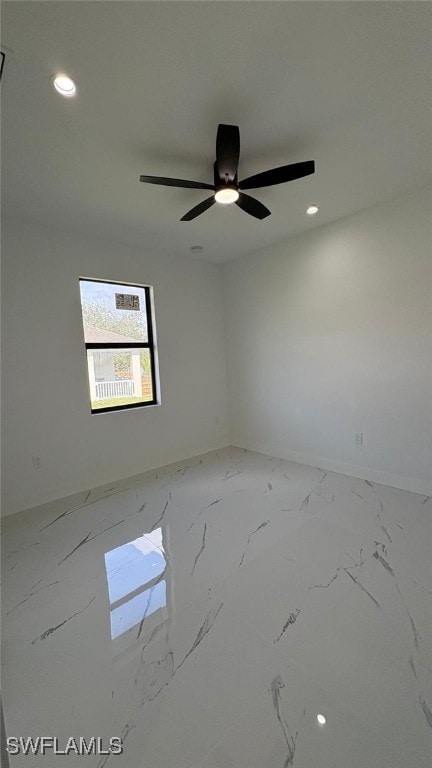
x=108 y=389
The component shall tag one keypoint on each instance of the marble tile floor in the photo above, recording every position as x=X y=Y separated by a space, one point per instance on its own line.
x=207 y=612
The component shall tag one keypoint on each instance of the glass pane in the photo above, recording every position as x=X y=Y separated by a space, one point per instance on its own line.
x=113 y=313
x=119 y=377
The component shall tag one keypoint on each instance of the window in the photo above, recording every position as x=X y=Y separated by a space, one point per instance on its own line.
x=118 y=336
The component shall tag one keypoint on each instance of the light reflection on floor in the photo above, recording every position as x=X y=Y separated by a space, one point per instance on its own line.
x=136 y=586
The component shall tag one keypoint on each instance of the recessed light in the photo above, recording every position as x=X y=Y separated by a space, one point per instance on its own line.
x=64 y=85
x=321 y=719
x=226 y=195
x=312 y=210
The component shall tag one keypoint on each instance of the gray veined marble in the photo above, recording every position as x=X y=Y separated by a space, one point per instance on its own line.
x=290 y=740
x=208 y=611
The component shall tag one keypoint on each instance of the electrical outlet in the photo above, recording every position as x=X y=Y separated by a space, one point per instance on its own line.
x=359 y=438
x=37 y=462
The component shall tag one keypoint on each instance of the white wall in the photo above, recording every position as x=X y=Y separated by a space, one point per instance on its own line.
x=329 y=334
x=46 y=409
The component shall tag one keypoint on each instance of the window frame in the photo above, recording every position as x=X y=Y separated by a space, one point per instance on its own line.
x=149 y=344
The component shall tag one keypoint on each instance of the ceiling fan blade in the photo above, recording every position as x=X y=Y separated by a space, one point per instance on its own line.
x=279 y=175
x=194 y=212
x=252 y=206
x=227 y=151
x=175 y=182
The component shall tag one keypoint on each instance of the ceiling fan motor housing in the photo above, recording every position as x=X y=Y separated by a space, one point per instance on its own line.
x=222 y=182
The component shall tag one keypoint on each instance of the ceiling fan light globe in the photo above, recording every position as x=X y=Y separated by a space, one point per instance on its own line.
x=227 y=195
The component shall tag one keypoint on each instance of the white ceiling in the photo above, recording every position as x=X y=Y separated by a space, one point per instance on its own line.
x=347 y=84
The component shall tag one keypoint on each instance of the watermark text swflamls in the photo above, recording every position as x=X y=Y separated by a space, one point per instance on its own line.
x=43 y=745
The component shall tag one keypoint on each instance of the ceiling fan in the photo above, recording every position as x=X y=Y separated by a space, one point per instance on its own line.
x=226 y=187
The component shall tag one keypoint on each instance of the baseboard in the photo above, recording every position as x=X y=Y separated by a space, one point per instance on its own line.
x=61 y=492
x=394 y=480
